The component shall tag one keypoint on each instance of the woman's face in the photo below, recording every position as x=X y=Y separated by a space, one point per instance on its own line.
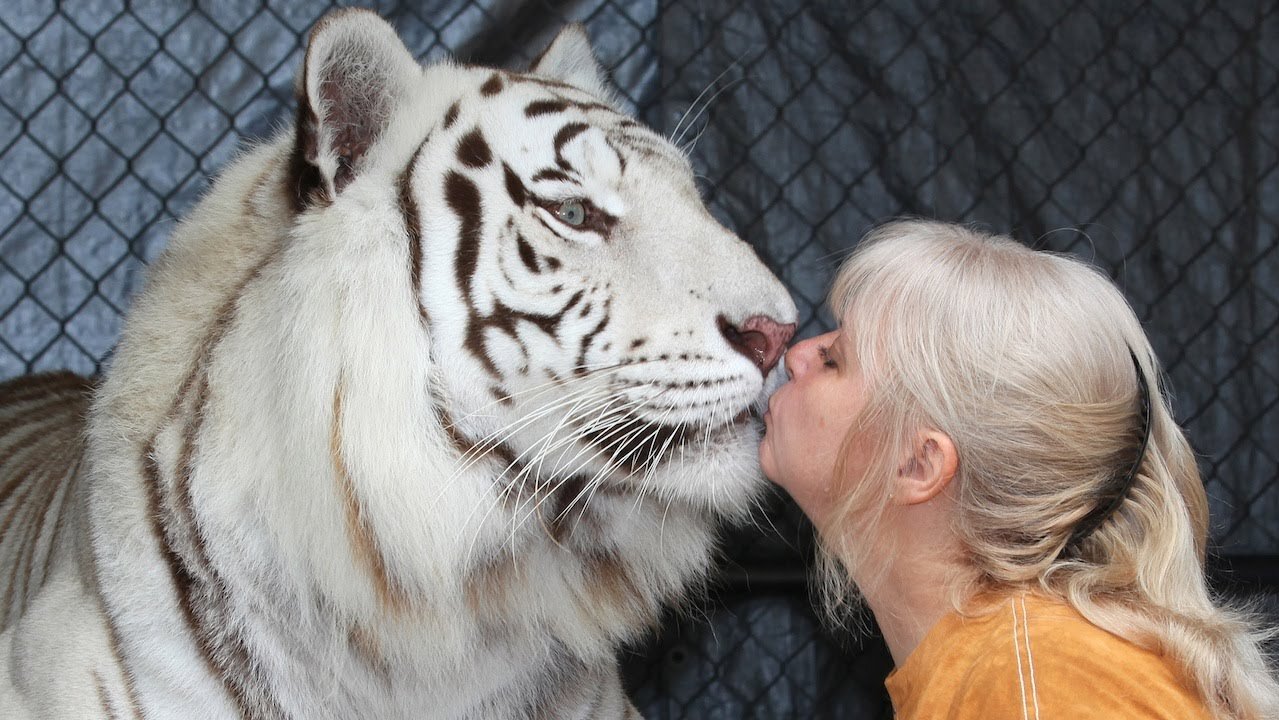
x=808 y=419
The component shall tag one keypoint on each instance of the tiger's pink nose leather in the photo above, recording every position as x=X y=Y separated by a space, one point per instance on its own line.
x=761 y=339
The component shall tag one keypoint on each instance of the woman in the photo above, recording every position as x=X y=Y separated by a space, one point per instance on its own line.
x=985 y=451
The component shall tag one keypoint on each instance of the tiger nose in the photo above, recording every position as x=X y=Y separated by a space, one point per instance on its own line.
x=760 y=338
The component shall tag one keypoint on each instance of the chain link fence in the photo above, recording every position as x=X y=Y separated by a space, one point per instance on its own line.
x=1144 y=136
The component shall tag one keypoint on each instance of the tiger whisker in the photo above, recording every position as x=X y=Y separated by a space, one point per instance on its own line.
x=650 y=464
x=609 y=466
x=528 y=468
x=507 y=488
x=614 y=427
x=489 y=442
x=582 y=396
x=543 y=388
x=564 y=474
x=500 y=435
x=711 y=84
x=596 y=415
x=706 y=106
x=514 y=485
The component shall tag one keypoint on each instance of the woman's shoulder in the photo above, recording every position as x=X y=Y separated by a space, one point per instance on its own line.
x=1029 y=656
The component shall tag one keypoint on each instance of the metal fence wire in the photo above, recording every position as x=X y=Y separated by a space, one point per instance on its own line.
x=1144 y=136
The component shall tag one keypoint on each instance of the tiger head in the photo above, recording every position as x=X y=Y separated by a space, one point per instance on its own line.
x=588 y=317
x=591 y=326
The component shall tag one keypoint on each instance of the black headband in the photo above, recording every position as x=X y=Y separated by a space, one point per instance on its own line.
x=1108 y=506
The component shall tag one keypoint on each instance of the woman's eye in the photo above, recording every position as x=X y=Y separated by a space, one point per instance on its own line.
x=571 y=212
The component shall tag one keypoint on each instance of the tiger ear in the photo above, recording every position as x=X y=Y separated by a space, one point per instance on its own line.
x=356 y=67
x=570 y=59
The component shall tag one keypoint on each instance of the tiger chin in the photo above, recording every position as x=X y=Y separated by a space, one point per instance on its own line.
x=430 y=405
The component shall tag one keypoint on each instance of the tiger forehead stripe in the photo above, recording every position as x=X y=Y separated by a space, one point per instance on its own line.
x=567 y=133
x=451 y=115
x=552 y=174
x=646 y=145
x=492 y=86
x=562 y=138
x=558 y=87
x=473 y=151
x=545 y=107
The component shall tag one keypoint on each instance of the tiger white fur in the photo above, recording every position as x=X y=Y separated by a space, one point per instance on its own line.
x=429 y=405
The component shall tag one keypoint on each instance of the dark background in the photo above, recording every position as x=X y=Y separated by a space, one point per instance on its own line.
x=1142 y=136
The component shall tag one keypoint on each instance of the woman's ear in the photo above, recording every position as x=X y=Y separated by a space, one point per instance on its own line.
x=931 y=465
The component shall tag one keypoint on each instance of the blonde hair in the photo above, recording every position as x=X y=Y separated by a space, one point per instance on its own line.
x=1025 y=359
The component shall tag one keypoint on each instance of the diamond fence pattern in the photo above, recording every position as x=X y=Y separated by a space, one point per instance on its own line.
x=1143 y=136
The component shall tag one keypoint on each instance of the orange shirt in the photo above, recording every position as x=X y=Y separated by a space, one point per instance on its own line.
x=1035 y=659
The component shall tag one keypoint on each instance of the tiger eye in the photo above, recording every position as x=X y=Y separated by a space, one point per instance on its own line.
x=571 y=212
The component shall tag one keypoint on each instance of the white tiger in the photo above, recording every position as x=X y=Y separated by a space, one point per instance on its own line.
x=429 y=405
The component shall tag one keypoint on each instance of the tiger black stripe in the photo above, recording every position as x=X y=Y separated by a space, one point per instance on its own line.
x=450 y=116
x=42 y=446
x=365 y=545
x=52 y=492
x=527 y=255
x=511 y=495
x=545 y=107
x=590 y=336
x=85 y=557
x=487 y=587
x=468 y=448
x=261 y=187
x=107 y=709
x=514 y=186
x=638 y=443
x=463 y=198
x=647 y=147
x=473 y=151
x=621 y=159
x=564 y=500
x=60 y=514
x=557 y=87
x=559 y=683
x=492 y=86
x=552 y=174
x=413 y=228
x=369 y=650
x=563 y=137
x=207 y=590
x=21 y=506
x=201 y=592
x=40 y=450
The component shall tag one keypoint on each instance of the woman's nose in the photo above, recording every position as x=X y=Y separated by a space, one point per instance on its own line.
x=799 y=356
